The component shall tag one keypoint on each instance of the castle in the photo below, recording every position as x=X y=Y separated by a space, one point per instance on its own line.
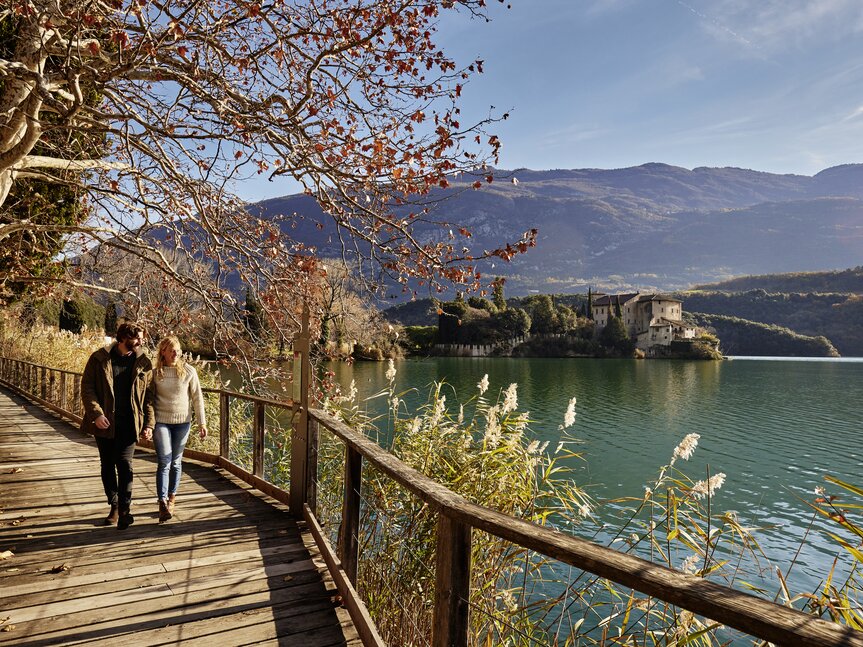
x=650 y=319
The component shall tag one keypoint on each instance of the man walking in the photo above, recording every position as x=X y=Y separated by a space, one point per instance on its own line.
x=113 y=390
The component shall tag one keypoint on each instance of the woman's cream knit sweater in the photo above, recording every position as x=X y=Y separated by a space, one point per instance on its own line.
x=173 y=396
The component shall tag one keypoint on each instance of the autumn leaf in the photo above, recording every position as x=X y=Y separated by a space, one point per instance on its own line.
x=62 y=568
x=7 y=554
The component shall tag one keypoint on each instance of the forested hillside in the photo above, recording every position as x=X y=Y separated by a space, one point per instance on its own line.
x=838 y=317
x=850 y=280
x=742 y=337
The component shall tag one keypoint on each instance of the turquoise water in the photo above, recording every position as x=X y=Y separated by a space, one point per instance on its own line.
x=774 y=427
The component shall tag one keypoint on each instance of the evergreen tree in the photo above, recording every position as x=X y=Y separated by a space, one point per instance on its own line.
x=614 y=336
x=542 y=315
x=617 y=312
x=513 y=322
x=71 y=316
x=111 y=318
x=497 y=294
x=589 y=304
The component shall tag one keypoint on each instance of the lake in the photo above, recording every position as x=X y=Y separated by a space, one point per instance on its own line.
x=774 y=427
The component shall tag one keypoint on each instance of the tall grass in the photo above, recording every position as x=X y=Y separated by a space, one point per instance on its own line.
x=478 y=449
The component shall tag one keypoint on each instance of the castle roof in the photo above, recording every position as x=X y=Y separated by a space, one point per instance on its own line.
x=611 y=299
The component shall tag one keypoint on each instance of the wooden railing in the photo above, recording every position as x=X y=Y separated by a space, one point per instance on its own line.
x=60 y=391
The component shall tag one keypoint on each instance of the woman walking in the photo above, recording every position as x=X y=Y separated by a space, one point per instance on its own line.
x=174 y=389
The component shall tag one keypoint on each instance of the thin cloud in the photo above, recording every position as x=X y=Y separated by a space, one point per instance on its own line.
x=779 y=24
x=854 y=115
x=572 y=134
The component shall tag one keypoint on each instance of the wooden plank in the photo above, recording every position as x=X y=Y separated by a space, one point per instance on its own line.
x=154 y=612
x=126 y=572
x=39 y=569
x=111 y=543
x=295 y=620
x=137 y=589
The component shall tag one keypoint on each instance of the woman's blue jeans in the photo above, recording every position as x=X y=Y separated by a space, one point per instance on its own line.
x=170 y=441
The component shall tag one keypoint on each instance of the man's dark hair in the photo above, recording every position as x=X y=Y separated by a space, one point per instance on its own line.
x=128 y=330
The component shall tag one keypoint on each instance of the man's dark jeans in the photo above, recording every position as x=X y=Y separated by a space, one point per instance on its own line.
x=115 y=455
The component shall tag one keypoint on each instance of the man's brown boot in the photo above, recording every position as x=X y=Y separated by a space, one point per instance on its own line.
x=113 y=516
x=170 y=505
x=164 y=515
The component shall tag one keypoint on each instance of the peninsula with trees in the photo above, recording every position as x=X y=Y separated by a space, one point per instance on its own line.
x=596 y=325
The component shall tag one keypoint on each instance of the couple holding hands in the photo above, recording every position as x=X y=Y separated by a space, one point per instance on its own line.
x=125 y=396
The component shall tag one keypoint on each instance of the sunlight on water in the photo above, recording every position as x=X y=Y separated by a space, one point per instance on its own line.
x=774 y=427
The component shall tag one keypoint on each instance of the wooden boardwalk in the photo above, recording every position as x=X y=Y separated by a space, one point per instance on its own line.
x=232 y=567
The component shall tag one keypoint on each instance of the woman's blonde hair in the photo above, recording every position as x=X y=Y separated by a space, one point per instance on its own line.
x=179 y=364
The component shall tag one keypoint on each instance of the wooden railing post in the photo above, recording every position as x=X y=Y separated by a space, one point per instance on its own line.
x=43 y=382
x=224 y=425
x=452 y=583
x=349 y=531
x=52 y=386
x=63 y=394
x=300 y=431
x=258 y=440
x=312 y=462
x=76 y=395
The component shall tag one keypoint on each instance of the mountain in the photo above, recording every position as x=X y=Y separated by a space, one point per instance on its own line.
x=653 y=226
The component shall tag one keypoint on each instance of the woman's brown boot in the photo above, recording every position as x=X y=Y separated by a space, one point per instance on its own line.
x=164 y=515
x=170 y=505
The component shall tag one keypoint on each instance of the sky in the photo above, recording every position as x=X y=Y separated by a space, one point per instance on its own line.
x=769 y=85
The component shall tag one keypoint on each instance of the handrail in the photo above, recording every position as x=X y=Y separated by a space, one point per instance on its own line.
x=457 y=517
x=237 y=395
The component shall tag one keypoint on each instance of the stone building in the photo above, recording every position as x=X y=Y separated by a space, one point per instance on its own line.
x=650 y=319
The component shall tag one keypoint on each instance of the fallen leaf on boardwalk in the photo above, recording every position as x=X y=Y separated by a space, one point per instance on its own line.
x=12 y=570
x=7 y=628
x=18 y=521
x=7 y=554
x=288 y=578
x=15 y=470
x=61 y=569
